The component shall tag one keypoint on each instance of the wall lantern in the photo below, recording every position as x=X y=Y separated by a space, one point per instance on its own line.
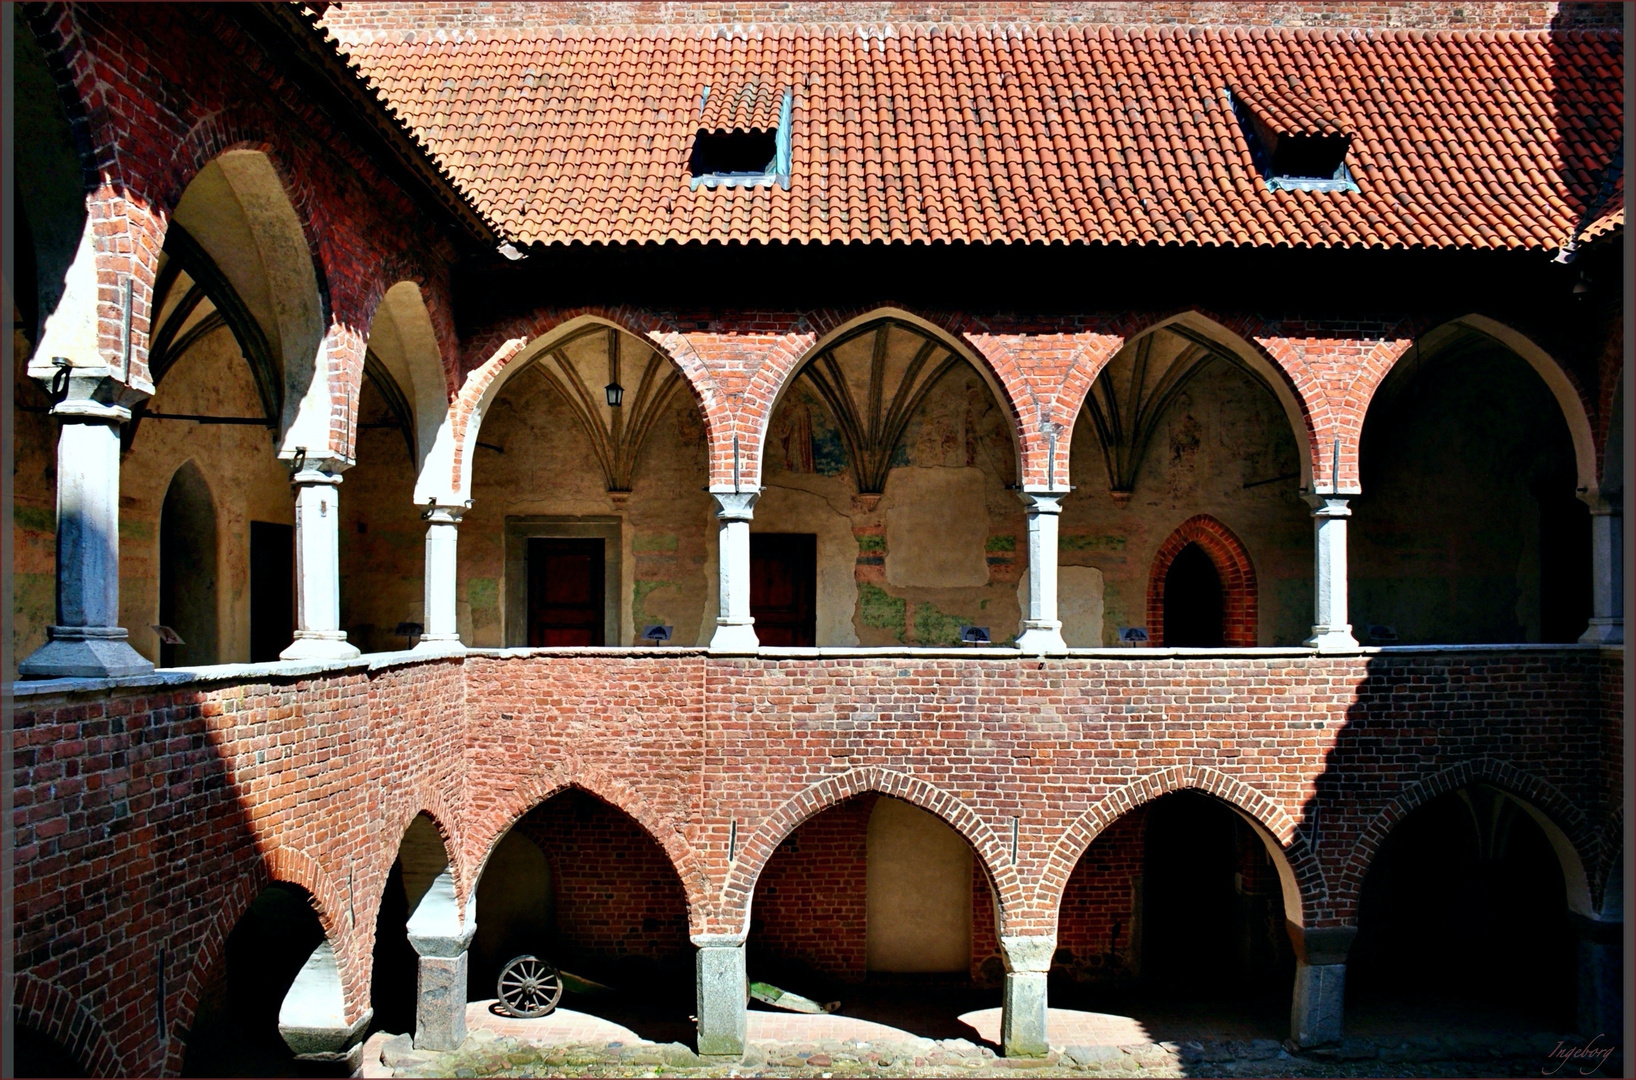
x=616 y=394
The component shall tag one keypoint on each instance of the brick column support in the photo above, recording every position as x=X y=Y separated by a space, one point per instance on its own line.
x=1317 y=1008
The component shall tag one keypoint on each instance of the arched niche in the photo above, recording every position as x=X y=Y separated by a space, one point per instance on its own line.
x=188 y=592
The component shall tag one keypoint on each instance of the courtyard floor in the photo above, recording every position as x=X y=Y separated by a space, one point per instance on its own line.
x=894 y=1034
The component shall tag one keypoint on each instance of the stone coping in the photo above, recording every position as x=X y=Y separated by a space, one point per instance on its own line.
x=171 y=678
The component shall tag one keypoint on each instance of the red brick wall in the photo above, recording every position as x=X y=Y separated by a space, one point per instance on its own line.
x=1097 y=921
x=353 y=21
x=616 y=893
x=150 y=817
x=811 y=899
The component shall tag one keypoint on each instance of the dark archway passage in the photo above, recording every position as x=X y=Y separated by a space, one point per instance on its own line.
x=235 y=1031
x=1464 y=911
x=187 y=570
x=1193 y=601
x=35 y=1053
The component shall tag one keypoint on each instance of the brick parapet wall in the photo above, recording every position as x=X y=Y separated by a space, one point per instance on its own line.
x=357 y=22
x=149 y=817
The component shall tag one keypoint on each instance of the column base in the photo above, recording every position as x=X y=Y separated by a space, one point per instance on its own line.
x=1604 y=632
x=320 y=645
x=1040 y=638
x=1023 y=1015
x=735 y=637
x=440 y=1002
x=1317 y=1010
x=85 y=652
x=1332 y=639
x=723 y=991
x=440 y=645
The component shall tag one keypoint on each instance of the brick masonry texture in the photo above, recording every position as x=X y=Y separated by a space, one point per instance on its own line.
x=352 y=21
x=147 y=819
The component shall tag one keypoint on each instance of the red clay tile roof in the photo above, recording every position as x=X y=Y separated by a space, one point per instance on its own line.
x=741 y=105
x=1610 y=220
x=1065 y=134
x=1285 y=113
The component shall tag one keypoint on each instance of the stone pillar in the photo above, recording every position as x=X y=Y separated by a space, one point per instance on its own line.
x=86 y=641
x=1600 y=997
x=1330 y=630
x=735 y=629
x=1023 y=1014
x=1041 y=629
x=312 y=1020
x=442 y=631
x=441 y=940
x=318 y=634
x=1317 y=1009
x=723 y=991
x=1607 y=626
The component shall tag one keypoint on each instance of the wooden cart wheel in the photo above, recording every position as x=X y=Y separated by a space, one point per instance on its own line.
x=529 y=987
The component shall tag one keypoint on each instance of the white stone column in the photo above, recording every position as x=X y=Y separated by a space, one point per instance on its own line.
x=1023 y=1012
x=441 y=941
x=723 y=990
x=442 y=631
x=318 y=634
x=312 y=1019
x=735 y=629
x=1317 y=1007
x=1330 y=630
x=1607 y=626
x=86 y=641
x=1041 y=629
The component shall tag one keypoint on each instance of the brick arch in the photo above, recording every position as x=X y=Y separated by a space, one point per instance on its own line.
x=968 y=337
x=739 y=891
x=1578 y=404
x=1232 y=562
x=438 y=813
x=499 y=353
x=1305 y=890
x=67 y=1021
x=499 y=817
x=1565 y=825
x=207 y=952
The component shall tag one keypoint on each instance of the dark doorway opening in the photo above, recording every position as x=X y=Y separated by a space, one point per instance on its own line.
x=187 y=569
x=566 y=605
x=1465 y=908
x=1193 y=601
x=1564 y=562
x=1189 y=899
x=784 y=587
x=272 y=589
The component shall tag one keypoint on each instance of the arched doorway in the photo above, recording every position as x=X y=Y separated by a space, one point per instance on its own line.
x=1193 y=601
x=1463 y=917
x=187 y=570
x=235 y=1031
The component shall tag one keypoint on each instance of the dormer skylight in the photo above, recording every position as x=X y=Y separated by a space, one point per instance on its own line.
x=1295 y=144
x=743 y=138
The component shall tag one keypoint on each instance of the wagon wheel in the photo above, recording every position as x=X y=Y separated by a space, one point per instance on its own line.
x=529 y=987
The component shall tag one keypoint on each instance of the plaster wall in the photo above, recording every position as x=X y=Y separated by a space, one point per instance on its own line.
x=247 y=483
x=919 y=892
x=1212 y=449
x=538 y=460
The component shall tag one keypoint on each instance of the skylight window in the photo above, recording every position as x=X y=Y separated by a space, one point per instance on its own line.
x=743 y=138
x=1296 y=146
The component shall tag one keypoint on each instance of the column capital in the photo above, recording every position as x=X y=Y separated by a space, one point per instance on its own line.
x=719 y=941
x=1043 y=500
x=735 y=505
x=1329 y=506
x=1032 y=952
x=445 y=513
x=313 y=473
x=90 y=395
x=1321 y=946
x=1610 y=503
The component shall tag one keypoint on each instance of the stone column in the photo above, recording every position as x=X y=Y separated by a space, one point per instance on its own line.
x=441 y=940
x=735 y=629
x=86 y=641
x=1607 y=626
x=312 y=1020
x=1041 y=629
x=1317 y=1009
x=1023 y=1014
x=1330 y=630
x=723 y=991
x=1600 y=997
x=442 y=631
x=318 y=634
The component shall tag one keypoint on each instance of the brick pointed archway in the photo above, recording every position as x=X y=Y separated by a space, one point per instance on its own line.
x=1232 y=563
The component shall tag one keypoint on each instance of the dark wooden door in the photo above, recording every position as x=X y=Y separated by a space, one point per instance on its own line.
x=272 y=589
x=784 y=587
x=565 y=592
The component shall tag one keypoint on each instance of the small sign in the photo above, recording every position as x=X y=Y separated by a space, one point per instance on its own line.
x=1385 y=634
x=1133 y=635
x=654 y=633
x=167 y=636
x=974 y=635
x=409 y=629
